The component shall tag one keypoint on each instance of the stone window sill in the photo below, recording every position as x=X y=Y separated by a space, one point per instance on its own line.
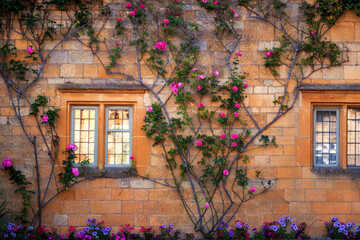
x=336 y=170
x=110 y=172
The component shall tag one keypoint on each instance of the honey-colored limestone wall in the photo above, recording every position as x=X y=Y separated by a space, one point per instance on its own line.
x=298 y=192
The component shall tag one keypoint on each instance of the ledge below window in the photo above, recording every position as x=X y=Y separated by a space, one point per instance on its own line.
x=110 y=172
x=336 y=170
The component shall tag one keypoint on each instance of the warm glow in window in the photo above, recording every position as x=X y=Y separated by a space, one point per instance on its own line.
x=118 y=135
x=84 y=133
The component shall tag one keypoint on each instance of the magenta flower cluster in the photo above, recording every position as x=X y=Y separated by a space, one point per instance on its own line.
x=6 y=163
x=160 y=45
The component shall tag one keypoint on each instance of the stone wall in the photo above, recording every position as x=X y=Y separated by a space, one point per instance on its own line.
x=299 y=192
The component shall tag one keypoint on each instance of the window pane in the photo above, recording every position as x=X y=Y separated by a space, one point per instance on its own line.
x=118 y=136
x=84 y=133
x=326 y=142
x=353 y=137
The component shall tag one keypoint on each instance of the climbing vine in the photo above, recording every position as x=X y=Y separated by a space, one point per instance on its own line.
x=206 y=138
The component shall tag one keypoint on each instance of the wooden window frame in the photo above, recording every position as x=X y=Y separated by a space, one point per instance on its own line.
x=316 y=99
x=103 y=98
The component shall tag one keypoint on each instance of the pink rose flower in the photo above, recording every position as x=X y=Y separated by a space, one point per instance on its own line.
x=313 y=31
x=204 y=1
x=75 y=171
x=199 y=87
x=236 y=114
x=246 y=85
x=141 y=6
x=226 y=172
x=234 y=144
x=170 y=123
x=216 y=2
x=165 y=25
x=119 y=19
x=253 y=189
x=166 y=21
x=179 y=84
x=198 y=143
x=239 y=54
x=71 y=147
x=235 y=136
x=216 y=73
x=207 y=205
x=232 y=11
x=6 y=163
x=117 y=44
x=237 y=105
x=317 y=5
x=45 y=118
x=175 y=90
x=268 y=54
x=128 y=4
x=222 y=115
x=150 y=109
x=222 y=136
x=235 y=88
x=201 y=77
x=161 y=45
x=236 y=15
x=132 y=157
x=201 y=105
x=194 y=69
x=30 y=50
x=144 y=118
x=132 y=13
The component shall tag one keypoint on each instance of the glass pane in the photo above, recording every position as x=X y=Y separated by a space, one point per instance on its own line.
x=326 y=127
x=126 y=159
x=111 y=148
x=77 y=124
x=326 y=148
x=92 y=114
x=353 y=137
x=91 y=136
x=333 y=116
x=92 y=124
x=82 y=136
x=126 y=124
x=351 y=113
x=351 y=149
x=333 y=127
x=319 y=116
x=91 y=148
x=110 y=159
x=77 y=113
x=326 y=137
x=118 y=159
x=326 y=116
x=333 y=137
x=111 y=137
x=119 y=149
x=119 y=137
x=111 y=124
x=76 y=136
x=351 y=160
x=318 y=159
x=318 y=137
